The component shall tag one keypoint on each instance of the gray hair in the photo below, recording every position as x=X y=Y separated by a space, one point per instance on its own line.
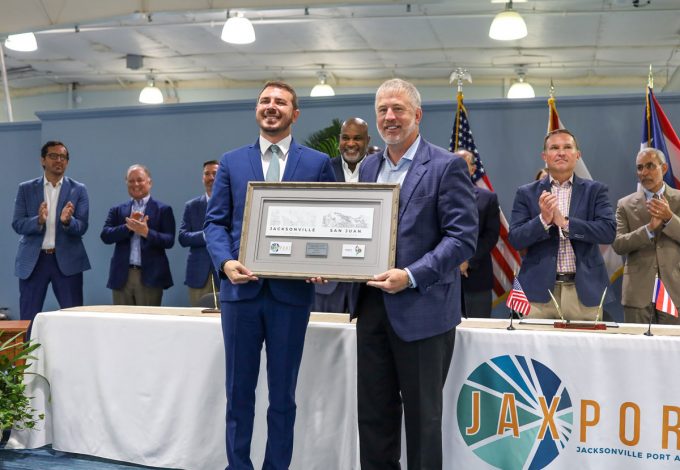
x=397 y=85
x=658 y=153
x=137 y=166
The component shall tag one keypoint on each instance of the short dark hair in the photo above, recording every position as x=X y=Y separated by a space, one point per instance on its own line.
x=559 y=131
x=210 y=162
x=282 y=85
x=52 y=143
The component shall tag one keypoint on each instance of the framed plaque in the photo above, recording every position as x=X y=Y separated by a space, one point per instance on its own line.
x=341 y=231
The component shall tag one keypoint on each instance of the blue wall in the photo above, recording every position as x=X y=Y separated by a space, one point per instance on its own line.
x=174 y=140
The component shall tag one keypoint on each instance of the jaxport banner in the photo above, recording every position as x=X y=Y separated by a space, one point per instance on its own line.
x=562 y=400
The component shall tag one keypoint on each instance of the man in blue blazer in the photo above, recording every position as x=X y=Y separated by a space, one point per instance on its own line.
x=407 y=315
x=51 y=215
x=477 y=272
x=352 y=143
x=561 y=220
x=273 y=311
x=200 y=274
x=142 y=229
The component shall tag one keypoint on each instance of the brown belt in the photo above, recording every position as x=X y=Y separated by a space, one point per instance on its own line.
x=49 y=251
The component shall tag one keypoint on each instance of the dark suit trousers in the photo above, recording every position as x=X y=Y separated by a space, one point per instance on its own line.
x=32 y=291
x=393 y=375
x=246 y=324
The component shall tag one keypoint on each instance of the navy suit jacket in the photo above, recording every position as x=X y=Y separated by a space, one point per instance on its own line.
x=337 y=168
x=480 y=269
x=224 y=219
x=436 y=232
x=191 y=235
x=591 y=223
x=69 y=250
x=155 y=266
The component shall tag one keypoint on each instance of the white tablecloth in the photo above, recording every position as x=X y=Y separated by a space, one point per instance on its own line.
x=149 y=389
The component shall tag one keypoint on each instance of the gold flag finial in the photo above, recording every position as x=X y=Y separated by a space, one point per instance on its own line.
x=552 y=88
x=650 y=78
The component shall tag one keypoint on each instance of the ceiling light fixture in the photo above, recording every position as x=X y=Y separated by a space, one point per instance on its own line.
x=508 y=25
x=521 y=89
x=24 y=42
x=151 y=94
x=238 y=30
x=322 y=88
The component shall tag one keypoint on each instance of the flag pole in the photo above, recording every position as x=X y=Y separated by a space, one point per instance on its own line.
x=458 y=76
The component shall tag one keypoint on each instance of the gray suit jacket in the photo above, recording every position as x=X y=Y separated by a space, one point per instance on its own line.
x=645 y=256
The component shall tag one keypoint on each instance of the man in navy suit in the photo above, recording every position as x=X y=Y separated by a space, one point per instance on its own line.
x=142 y=229
x=561 y=220
x=352 y=143
x=407 y=316
x=477 y=272
x=51 y=215
x=200 y=275
x=273 y=311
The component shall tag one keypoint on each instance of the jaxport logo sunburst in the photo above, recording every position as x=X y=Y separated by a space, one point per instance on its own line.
x=515 y=413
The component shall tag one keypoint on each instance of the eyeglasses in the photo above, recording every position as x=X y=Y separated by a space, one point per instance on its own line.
x=647 y=166
x=57 y=156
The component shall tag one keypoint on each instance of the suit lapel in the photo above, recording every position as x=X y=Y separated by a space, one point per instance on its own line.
x=255 y=158
x=64 y=195
x=576 y=195
x=414 y=175
x=294 y=156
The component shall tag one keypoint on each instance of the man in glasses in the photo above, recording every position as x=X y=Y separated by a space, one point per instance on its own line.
x=648 y=233
x=51 y=215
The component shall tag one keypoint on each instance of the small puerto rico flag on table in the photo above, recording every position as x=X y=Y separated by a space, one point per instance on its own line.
x=518 y=301
x=662 y=300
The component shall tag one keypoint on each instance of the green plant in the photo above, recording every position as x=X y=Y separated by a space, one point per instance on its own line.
x=326 y=139
x=16 y=411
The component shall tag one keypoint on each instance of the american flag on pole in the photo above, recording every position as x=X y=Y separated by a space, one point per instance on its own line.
x=612 y=261
x=517 y=301
x=662 y=299
x=658 y=133
x=504 y=257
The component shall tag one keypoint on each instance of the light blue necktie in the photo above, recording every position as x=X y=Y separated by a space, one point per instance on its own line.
x=274 y=167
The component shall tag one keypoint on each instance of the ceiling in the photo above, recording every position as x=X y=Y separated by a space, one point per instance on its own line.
x=581 y=42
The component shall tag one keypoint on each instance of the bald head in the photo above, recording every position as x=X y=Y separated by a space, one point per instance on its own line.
x=469 y=158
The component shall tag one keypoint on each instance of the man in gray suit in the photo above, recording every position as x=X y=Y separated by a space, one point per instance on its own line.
x=648 y=232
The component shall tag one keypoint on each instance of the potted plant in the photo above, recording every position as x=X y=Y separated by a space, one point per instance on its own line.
x=16 y=411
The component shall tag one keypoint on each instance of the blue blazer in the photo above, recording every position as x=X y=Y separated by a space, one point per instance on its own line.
x=224 y=219
x=436 y=232
x=191 y=235
x=155 y=266
x=337 y=169
x=70 y=252
x=591 y=223
x=480 y=269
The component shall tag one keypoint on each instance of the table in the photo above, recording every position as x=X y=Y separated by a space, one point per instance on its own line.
x=148 y=388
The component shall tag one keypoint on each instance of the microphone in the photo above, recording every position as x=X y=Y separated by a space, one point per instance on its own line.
x=216 y=308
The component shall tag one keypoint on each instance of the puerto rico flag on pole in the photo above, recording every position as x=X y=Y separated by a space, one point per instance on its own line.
x=504 y=257
x=658 y=133
x=662 y=300
x=517 y=300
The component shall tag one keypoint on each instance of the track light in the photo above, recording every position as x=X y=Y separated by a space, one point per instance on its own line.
x=24 y=42
x=322 y=88
x=238 y=30
x=508 y=25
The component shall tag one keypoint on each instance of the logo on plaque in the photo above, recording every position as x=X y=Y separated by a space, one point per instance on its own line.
x=515 y=412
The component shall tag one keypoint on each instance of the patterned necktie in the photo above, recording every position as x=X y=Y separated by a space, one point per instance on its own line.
x=274 y=167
